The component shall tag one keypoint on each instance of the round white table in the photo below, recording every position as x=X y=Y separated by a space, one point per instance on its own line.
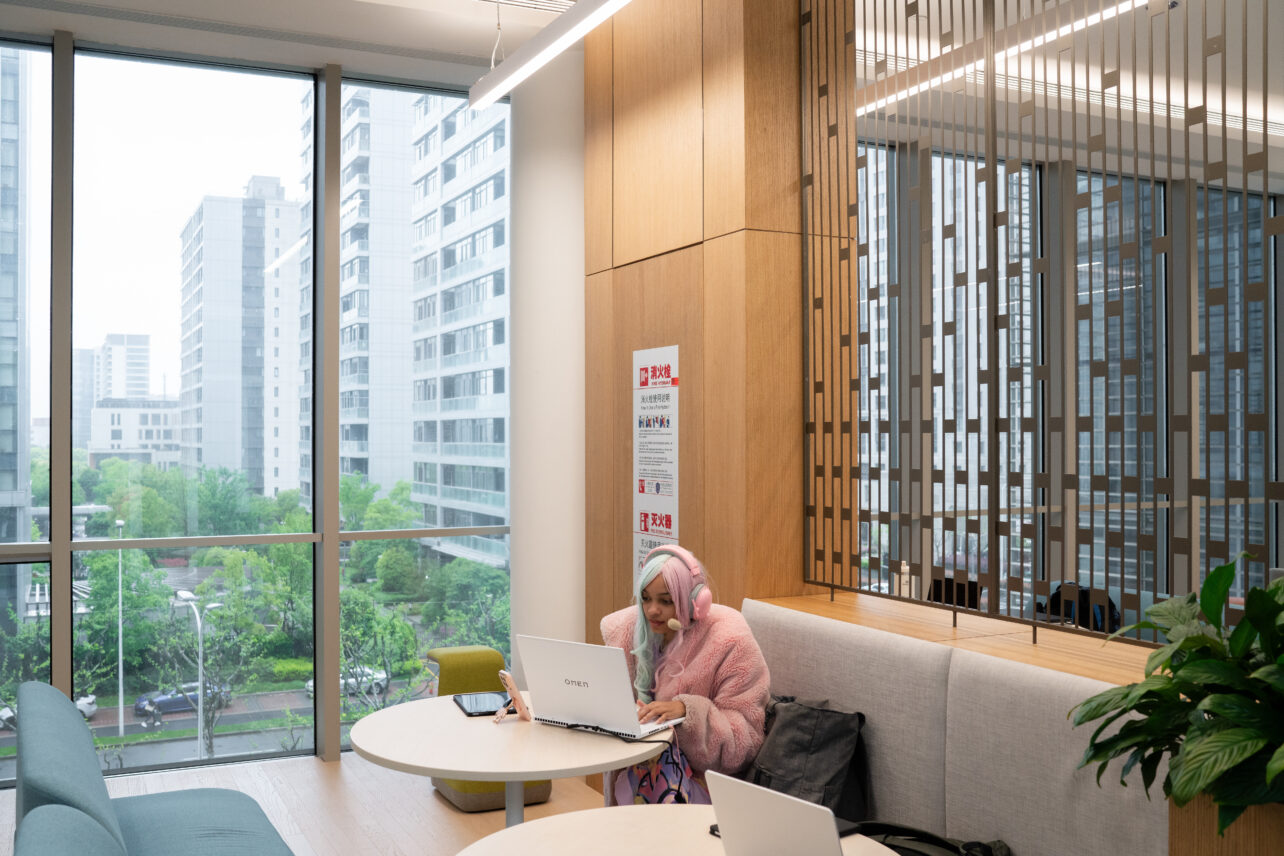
x=432 y=737
x=630 y=830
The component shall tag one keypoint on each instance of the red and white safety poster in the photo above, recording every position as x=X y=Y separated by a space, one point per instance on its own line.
x=655 y=450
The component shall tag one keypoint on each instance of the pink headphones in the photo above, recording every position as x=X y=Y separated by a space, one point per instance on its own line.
x=701 y=597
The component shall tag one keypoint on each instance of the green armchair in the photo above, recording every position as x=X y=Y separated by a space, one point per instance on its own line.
x=472 y=669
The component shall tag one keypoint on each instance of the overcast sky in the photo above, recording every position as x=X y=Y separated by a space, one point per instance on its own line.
x=152 y=139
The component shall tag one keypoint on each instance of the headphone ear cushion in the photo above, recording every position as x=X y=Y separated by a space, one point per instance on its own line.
x=701 y=601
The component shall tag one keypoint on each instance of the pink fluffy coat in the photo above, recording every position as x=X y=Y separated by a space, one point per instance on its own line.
x=723 y=682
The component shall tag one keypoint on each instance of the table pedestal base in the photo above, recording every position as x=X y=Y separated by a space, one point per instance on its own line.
x=514 y=802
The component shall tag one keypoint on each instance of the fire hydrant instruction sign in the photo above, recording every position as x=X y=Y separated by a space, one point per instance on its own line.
x=655 y=450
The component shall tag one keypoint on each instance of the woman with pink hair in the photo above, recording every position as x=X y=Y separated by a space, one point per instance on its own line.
x=691 y=660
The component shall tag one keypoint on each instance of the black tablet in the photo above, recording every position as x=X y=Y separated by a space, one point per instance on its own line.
x=481 y=704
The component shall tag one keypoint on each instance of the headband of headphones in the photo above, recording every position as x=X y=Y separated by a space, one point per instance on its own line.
x=701 y=597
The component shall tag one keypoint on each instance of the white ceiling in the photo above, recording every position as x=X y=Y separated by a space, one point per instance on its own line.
x=302 y=30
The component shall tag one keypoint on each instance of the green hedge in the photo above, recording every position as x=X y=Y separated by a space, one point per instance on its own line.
x=292 y=669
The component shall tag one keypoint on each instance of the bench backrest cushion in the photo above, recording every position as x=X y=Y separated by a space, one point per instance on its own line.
x=897 y=682
x=57 y=762
x=57 y=830
x=1010 y=767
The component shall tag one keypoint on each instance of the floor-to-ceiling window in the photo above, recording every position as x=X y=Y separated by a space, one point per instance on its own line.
x=25 y=126
x=200 y=358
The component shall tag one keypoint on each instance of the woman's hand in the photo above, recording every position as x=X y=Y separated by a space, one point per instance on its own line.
x=661 y=711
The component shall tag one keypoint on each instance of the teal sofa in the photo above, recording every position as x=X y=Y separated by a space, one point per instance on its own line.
x=62 y=798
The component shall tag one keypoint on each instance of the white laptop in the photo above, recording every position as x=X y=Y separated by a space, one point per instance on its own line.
x=755 y=821
x=576 y=685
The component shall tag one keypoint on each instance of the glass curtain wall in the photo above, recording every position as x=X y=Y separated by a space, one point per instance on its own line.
x=192 y=474
x=25 y=173
x=423 y=358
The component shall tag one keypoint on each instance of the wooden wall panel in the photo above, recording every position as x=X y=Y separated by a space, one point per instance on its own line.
x=598 y=123
x=725 y=547
x=773 y=414
x=1192 y=830
x=657 y=154
x=724 y=117
x=658 y=302
x=705 y=146
x=600 y=392
x=773 y=147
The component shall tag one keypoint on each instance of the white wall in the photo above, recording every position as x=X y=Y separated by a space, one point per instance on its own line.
x=547 y=437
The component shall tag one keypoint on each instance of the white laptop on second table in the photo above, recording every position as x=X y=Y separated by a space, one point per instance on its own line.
x=755 y=821
x=576 y=685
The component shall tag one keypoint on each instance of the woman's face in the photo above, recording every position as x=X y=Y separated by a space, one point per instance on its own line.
x=657 y=606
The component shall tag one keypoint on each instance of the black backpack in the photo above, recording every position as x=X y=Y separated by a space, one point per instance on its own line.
x=908 y=841
x=815 y=753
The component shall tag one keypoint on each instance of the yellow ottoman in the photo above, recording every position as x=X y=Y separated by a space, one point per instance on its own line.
x=473 y=669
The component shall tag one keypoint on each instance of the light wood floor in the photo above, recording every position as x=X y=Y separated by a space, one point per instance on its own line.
x=342 y=808
x=1078 y=654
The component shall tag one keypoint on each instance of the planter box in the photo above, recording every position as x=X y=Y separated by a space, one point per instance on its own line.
x=1192 y=830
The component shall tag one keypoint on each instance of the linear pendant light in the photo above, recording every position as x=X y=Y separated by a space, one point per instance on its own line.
x=565 y=30
x=1050 y=36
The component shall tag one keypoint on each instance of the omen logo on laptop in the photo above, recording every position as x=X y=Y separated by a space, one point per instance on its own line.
x=556 y=697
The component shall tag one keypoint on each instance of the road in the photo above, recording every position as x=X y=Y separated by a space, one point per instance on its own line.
x=163 y=751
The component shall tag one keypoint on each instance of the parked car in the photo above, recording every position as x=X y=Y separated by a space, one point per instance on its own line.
x=86 y=704
x=178 y=699
x=361 y=679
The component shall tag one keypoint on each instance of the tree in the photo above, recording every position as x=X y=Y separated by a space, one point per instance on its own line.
x=398 y=572
x=146 y=513
x=292 y=573
x=355 y=494
x=144 y=594
x=226 y=651
x=467 y=603
x=370 y=636
x=395 y=511
x=223 y=503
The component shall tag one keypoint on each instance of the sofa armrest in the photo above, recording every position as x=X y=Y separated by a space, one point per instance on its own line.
x=56 y=830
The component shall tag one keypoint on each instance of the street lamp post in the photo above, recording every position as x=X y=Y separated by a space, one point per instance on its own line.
x=190 y=599
x=120 y=631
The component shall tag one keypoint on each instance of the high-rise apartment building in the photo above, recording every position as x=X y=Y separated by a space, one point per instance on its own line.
x=227 y=244
x=82 y=396
x=15 y=369
x=423 y=347
x=374 y=286
x=122 y=366
x=460 y=309
x=282 y=423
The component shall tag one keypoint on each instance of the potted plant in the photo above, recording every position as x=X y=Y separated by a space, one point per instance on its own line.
x=1212 y=699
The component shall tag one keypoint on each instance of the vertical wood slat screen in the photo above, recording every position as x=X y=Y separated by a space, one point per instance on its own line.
x=1042 y=255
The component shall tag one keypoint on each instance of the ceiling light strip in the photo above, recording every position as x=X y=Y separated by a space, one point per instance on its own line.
x=564 y=31
x=959 y=57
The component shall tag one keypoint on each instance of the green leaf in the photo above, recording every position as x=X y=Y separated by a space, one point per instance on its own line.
x=1228 y=814
x=1174 y=611
x=1263 y=609
x=1160 y=657
x=1244 y=711
x=1205 y=672
x=1242 y=639
x=1202 y=759
x=1275 y=766
x=1212 y=597
x=1246 y=783
x=1149 y=769
x=1100 y=704
x=1272 y=675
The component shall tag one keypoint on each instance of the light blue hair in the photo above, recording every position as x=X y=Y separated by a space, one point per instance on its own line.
x=647 y=643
